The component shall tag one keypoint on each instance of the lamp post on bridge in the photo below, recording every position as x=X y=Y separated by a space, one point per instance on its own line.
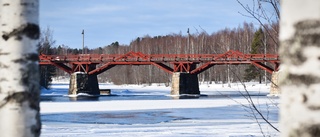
x=82 y=41
x=188 y=41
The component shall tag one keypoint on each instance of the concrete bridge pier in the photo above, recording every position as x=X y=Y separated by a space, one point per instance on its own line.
x=80 y=82
x=184 y=83
x=274 y=88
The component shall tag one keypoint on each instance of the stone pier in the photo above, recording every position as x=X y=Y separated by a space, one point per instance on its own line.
x=184 y=83
x=81 y=82
x=274 y=88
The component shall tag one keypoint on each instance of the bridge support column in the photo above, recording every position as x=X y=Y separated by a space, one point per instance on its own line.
x=81 y=82
x=274 y=88
x=184 y=83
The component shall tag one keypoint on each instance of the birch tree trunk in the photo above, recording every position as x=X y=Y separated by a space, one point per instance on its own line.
x=300 y=78
x=19 y=78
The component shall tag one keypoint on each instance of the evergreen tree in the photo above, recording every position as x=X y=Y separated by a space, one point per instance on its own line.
x=252 y=72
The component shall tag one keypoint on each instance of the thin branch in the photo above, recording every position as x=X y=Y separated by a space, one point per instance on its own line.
x=253 y=105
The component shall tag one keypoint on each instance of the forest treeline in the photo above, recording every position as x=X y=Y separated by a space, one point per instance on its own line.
x=245 y=38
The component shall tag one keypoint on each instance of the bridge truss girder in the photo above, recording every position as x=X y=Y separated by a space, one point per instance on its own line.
x=189 y=63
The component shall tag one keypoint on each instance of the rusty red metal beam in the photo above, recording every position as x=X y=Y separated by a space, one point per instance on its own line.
x=202 y=68
x=263 y=66
x=164 y=67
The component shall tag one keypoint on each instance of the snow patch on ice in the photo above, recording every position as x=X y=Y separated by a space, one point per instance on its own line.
x=83 y=95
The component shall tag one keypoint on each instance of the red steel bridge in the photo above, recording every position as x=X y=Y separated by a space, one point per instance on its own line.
x=94 y=64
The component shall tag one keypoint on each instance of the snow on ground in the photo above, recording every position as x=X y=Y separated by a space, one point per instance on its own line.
x=219 y=112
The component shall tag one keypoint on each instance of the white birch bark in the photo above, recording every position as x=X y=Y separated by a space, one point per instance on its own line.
x=300 y=60
x=19 y=78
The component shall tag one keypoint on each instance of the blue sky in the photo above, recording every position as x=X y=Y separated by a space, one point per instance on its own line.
x=107 y=21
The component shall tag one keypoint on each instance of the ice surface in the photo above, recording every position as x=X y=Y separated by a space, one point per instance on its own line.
x=150 y=111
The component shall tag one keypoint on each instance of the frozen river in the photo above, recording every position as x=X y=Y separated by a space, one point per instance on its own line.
x=140 y=110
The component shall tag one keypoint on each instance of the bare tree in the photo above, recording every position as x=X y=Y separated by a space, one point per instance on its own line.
x=266 y=17
x=19 y=78
x=299 y=84
x=45 y=47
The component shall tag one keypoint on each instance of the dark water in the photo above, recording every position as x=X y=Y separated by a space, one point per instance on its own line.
x=59 y=93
